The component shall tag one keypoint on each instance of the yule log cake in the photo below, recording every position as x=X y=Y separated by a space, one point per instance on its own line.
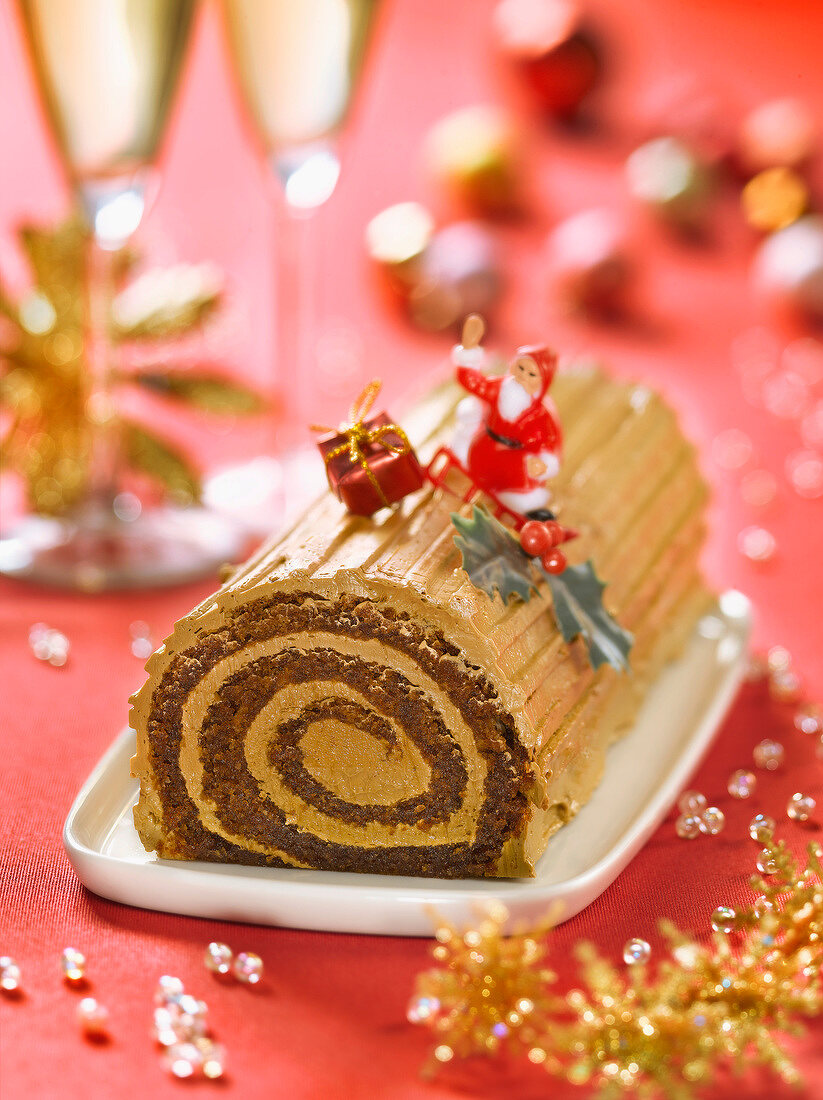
x=350 y=701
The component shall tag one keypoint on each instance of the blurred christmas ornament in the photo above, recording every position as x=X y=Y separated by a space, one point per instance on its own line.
x=459 y=274
x=669 y=178
x=556 y=54
x=788 y=267
x=396 y=241
x=774 y=198
x=46 y=381
x=777 y=134
x=474 y=152
x=588 y=262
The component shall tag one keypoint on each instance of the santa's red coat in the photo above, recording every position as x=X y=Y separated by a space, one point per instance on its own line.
x=494 y=466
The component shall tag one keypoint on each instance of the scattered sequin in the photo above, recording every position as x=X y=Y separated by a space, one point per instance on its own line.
x=779 y=659
x=636 y=951
x=762 y=905
x=248 y=967
x=168 y=987
x=687 y=826
x=809 y=720
x=766 y=863
x=93 y=1017
x=742 y=783
x=785 y=687
x=691 y=802
x=214 y=1057
x=731 y=449
x=761 y=828
x=10 y=976
x=183 y=1060
x=181 y=1029
x=218 y=958
x=804 y=469
x=801 y=806
x=769 y=754
x=758 y=488
x=141 y=643
x=724 y=919
x=712 y=821
x=73 y=964
x=757 y=544
x=443 y=1053
x=48 y=644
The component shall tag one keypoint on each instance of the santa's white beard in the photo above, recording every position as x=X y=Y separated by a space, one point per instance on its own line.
x=512 y=400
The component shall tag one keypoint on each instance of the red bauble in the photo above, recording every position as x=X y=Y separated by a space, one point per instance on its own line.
x=460 y=273
x=555 y=532
x=554 y=561
x=558 y=57
x=535 y=538
x=588 y=262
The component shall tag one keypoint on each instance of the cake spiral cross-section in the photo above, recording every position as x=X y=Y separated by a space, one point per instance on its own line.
x=350 y=701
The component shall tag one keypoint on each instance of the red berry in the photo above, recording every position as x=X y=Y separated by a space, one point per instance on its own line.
x=534 y=538
x=554 y=561
x=555 y=532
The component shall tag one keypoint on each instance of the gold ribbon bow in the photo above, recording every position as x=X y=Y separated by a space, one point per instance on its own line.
x=358 y=437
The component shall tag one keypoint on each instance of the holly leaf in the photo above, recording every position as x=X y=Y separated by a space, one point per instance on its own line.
x=492 y=557
x=209 y=392
x=577 y=594
x=153 y=456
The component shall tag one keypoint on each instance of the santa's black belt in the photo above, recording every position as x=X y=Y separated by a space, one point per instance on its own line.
x=515 y=444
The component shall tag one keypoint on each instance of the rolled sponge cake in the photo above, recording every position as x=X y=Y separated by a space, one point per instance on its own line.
x=349 y=701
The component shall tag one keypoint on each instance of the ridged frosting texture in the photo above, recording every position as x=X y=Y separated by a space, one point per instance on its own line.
x=348 y=699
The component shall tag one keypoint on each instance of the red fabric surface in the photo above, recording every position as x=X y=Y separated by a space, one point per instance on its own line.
x=329 y=1019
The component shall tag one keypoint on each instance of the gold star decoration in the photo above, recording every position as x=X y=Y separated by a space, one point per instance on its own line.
x=652 y=1031
x=49 y=420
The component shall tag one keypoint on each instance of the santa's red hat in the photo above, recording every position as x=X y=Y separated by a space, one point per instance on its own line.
x=546 y=360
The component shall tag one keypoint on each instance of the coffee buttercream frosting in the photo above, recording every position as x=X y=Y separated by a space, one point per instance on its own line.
x=349 y=701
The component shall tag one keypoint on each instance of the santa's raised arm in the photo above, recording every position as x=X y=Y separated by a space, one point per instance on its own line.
x=508 y=435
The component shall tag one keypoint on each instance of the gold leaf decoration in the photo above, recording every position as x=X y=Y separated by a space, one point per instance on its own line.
x=166 y=303
x=53 y=415
x=162 y=462
x=657 y=1031
x=208 y=392
x=45 y=379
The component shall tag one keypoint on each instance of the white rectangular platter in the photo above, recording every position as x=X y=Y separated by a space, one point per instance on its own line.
x=645 y=772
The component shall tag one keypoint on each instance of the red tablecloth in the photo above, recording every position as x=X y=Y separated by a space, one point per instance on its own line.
x=329 y=1018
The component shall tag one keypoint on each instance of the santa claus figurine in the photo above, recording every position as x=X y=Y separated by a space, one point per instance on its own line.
x=508 y=436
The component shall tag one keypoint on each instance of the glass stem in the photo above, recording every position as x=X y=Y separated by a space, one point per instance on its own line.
x=105 y=459
x=296 y=320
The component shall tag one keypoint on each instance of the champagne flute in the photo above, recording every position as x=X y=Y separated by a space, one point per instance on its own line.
x=297 y=64
x=106 y=71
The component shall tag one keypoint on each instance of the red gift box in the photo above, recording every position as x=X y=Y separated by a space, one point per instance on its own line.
x=371 y=465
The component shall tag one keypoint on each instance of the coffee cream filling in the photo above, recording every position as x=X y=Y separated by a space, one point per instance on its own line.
x=289 y=702
x=349 y=762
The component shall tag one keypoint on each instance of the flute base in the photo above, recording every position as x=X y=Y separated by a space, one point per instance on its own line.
x=162 y=546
